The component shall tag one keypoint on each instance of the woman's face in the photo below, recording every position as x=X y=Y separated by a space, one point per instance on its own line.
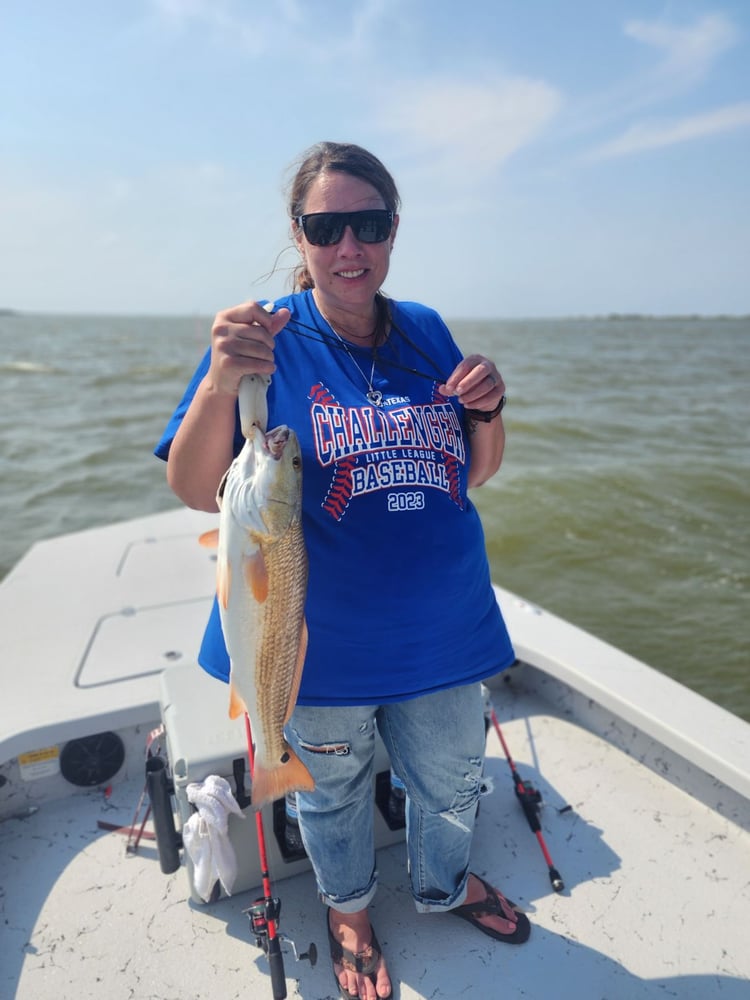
x=348 y=274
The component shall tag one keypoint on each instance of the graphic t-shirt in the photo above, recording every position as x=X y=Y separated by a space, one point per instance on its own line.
x=399 y=598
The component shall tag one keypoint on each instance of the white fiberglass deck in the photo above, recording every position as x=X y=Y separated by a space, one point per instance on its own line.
x=655 y=854
x=656 y=902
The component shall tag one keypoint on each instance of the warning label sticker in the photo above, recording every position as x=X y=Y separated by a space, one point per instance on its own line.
x=39 y=763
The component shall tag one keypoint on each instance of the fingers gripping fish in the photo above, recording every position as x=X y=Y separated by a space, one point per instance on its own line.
x=261 y=585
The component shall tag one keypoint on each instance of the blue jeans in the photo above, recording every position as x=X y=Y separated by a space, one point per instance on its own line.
x=436 y=746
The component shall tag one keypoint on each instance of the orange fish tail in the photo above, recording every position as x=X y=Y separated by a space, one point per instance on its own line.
x=271 y=783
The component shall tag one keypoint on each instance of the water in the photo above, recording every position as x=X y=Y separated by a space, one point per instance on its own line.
x=622 y=504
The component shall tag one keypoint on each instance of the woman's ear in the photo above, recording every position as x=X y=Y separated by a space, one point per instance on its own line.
x=394 y=228
x=297 y=237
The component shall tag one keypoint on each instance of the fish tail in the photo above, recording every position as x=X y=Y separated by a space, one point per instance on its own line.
x=271 y=783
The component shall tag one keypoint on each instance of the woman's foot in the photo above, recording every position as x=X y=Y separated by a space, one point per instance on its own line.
x=358 y=963
x=490 y=912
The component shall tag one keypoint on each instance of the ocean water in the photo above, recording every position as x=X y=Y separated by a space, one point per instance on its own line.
x=622 y=504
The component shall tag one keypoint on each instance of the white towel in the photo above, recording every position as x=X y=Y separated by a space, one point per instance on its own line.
x=206 y=835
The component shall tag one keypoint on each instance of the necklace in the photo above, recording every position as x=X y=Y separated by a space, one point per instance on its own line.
x=374 y=396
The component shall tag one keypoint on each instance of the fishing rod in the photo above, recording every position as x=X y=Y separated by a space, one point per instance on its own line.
x=530 y=799
x=264 y=913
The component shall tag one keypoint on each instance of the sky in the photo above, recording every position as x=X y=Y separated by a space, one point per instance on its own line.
x=554 y=157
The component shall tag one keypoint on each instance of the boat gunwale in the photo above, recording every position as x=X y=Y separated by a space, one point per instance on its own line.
x=686 y=723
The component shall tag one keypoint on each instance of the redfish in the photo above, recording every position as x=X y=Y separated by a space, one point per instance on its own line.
x=261 y=584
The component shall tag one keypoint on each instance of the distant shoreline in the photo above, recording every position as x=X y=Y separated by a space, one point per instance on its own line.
x=647 y=317
x=616 y=317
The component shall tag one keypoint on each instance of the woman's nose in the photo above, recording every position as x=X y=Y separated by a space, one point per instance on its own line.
x=349 y=242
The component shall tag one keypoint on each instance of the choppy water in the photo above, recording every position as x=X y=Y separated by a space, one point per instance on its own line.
x=622 y=503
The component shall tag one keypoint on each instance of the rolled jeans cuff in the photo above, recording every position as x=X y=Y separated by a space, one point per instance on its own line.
x=355 y=902
x=443 y=905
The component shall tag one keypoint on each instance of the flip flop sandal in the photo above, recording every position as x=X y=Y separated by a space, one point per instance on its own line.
x=495 y=904
x=364 y=962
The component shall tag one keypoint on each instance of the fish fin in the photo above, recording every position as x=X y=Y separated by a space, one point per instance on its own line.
x=271 y=783
x=297 y=678
x=223 y=581
x=256 y=574
x=209 y=539
x=236 y=703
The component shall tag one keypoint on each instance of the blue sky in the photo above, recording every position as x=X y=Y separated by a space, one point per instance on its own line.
x=554 y=158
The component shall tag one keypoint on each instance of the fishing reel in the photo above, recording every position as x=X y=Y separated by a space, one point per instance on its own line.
x=267 y=911
x=261 y=913
x=530 y=799
x=527 y=793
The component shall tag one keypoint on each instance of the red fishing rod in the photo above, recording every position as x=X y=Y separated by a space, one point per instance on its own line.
x=530 y=799
x=264 y=913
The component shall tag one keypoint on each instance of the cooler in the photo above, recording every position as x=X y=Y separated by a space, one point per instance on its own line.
x=201 y=739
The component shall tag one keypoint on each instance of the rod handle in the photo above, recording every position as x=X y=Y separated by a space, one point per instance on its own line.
x=276 y=963
x=160 y=789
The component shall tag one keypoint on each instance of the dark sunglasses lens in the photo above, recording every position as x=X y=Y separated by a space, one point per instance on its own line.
x=372 y=227
x=324 y=228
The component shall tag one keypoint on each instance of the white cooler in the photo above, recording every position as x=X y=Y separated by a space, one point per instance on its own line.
x=201 y=740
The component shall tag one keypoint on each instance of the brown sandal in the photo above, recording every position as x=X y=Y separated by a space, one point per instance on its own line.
x=365 y=962
x=495 y=904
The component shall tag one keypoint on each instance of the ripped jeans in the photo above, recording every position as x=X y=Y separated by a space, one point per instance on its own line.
x=436 y=746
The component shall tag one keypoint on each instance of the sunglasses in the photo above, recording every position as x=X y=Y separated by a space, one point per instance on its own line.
x=325 y=229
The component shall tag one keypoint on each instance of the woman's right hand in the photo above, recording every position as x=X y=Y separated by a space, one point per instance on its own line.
x=242 y=343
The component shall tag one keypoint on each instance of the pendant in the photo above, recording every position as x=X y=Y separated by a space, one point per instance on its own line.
x=375 y=397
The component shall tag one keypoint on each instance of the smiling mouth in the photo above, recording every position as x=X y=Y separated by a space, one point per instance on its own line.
x=352 y=274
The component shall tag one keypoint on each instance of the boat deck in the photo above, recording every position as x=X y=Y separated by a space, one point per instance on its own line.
x=656 y=900
x=655 y=853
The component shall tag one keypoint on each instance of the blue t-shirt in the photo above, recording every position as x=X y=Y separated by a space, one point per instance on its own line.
x=399 y=601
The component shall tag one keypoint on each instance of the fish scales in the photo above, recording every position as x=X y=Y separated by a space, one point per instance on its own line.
x=280 y=626
x=261 y=586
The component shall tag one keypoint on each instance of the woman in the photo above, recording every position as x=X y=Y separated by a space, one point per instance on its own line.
x=403 y=625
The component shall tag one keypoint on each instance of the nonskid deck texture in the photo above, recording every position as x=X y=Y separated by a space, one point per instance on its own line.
x=656 y=904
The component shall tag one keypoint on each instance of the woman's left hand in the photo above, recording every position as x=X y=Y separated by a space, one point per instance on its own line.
x=477 y=383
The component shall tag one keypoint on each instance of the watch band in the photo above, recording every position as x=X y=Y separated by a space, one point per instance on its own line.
x=486 y=415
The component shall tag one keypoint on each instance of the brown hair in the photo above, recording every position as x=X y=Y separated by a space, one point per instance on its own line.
x=346 y=158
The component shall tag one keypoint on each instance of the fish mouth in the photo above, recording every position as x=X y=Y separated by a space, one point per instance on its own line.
x=275 y=441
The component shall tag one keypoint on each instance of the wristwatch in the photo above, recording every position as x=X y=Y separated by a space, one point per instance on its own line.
x=486 y=415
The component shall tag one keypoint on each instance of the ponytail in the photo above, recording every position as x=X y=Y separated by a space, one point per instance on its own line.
x=301 y=278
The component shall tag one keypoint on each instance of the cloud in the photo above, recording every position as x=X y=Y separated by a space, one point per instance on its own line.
x=224 y=23
x=653 y=135
x=683 y=57
x=465 y=125
x=367 y=16
x=687 y=55
x=689 y=52
x=278 y=25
